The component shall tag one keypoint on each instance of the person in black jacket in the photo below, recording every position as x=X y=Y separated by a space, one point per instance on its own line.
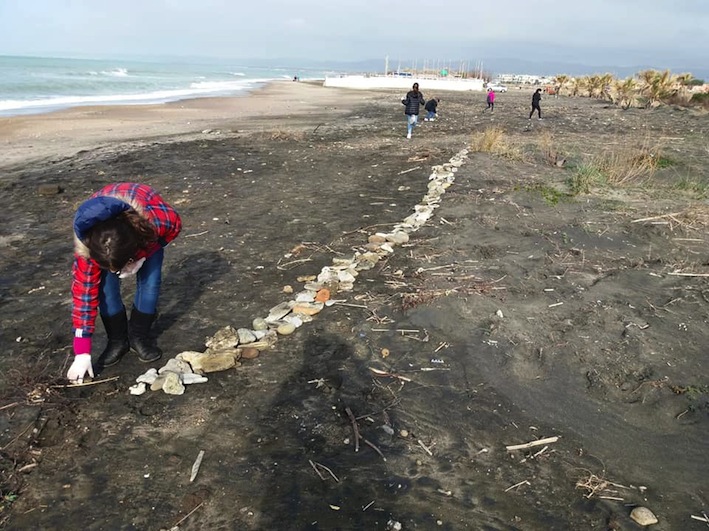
x=430 y=107
x=536 y=98
x=414 y=99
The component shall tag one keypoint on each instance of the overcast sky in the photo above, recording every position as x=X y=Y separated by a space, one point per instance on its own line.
x=661 y=33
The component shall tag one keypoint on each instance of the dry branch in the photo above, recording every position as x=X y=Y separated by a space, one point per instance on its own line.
x=540 y=442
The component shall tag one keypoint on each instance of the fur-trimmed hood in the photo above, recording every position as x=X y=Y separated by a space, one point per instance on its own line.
x=97 y=209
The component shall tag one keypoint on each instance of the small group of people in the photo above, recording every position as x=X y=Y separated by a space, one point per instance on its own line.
x=413 y=101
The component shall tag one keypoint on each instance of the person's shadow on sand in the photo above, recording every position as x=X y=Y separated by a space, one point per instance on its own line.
x=304 y=427
x=184 y=283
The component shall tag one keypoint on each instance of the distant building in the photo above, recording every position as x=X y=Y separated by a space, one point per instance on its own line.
x=524 y=79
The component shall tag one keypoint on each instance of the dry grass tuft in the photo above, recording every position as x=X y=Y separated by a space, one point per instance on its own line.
x=599 y=486
x=282 y=135
x=550 y=149
x=625 y=165
x=494 y=140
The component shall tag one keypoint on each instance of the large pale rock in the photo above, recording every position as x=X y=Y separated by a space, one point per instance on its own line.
x=245 y=336
x=259 y=324
x=643 y=516
x=308 y=308
x=173 y=385
x=224 y=338
x=219 y=361
x=286 y=329
x=278 y=312
x=176 y=366
x=211 y=361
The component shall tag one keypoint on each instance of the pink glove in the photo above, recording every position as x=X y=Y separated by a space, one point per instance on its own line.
x=79 y=369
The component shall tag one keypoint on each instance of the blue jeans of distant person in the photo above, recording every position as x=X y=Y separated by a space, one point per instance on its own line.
x=431 y=115
x=148 y=280
x=411 y=120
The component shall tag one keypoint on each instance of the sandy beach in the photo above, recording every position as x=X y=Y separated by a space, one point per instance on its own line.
x=530 y=358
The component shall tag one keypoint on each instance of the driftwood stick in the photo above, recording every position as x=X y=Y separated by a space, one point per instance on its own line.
x=94 y=382
x=373 y=446
x=355 y=428
x=316 y=469
x=678 y=274
x=525 y=482
x=540 y=442
x=7 y=406
x=656 y=217
x=328 y=471
x=426 y=448
x=188 y=515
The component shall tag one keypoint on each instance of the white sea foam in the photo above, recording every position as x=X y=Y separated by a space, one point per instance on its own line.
x=160 y=96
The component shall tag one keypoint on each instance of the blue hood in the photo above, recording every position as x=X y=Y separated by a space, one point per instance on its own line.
x=95 y=210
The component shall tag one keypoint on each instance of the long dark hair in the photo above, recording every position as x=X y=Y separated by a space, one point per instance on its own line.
x=114 y=242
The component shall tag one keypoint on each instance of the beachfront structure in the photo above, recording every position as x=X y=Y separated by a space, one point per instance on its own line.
x=403 y=81
x=524 y=79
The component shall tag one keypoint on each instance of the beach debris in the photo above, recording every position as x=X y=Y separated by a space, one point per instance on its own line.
x=196 y=465
x=393 y=525
x=516 y=485
x=643 y=516
x=425 y=448
x=317 y=466
x=539 y=442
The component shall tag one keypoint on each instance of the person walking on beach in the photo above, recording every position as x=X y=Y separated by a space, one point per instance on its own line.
x=412 y=102
x=119 y=231
x=431 y=106
x=491 y=100
x=536 y=98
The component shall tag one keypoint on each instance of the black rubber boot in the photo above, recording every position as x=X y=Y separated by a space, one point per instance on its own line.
x=139 y=335
x=117 y=332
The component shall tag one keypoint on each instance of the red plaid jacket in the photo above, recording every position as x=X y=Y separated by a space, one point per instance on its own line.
x=86 y=272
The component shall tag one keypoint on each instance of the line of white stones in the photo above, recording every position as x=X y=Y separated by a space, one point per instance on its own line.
x=223 y=349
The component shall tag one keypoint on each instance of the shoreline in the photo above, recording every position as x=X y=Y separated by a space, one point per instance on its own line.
x=26 y=139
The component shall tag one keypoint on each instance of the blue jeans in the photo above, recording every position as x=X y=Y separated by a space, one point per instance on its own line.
x=148 y=281
x=411 y=120
x=430 y=115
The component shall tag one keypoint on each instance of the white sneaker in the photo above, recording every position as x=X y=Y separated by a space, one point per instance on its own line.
x=408 y=135
x=425 y=119
x=432 y=120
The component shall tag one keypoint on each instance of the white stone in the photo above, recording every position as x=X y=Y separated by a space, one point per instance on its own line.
x=148 y=377
x=139 y=388
x=305 y=296
x=192 y=378
x=246 y=336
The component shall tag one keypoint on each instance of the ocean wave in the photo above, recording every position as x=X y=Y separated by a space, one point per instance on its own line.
x=202 y=89
x=116 y=72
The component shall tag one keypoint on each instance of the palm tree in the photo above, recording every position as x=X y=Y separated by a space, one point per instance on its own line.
x=559 y=82
x=684 y=81
x=657 y=86
x=605 y=82
x=626 y=92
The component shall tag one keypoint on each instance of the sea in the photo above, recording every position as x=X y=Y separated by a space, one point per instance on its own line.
x=30 y=85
